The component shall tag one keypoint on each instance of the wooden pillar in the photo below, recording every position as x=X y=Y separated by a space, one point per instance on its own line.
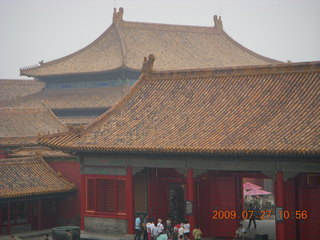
x=130 y=200
x=39 y=214
x=83 y=196
x=9 y=218
x=279 y=190
x=191 y=197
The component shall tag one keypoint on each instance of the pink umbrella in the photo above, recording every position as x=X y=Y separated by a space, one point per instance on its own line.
x=255 y=192
x=249 y=186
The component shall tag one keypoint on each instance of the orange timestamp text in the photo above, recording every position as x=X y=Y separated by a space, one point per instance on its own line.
x=232 y=214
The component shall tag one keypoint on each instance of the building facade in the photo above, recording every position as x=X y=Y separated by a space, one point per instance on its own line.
x=179 y=143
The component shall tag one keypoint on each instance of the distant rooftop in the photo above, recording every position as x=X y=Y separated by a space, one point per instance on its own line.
x=23 y=126
x=125 y=43
x=11 y=88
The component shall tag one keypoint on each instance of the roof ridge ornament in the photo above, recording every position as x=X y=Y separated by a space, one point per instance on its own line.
x=147 y=66
x=118 y=16
x=218 y=23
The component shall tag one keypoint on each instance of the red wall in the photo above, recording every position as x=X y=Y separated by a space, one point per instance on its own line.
x=290 y=194
x=68 y=209
x=309 y=200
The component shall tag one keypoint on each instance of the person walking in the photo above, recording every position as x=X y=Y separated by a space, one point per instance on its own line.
x=197 y=233
x=137 y=227
x=144 y=227
x=181 y=231
x=150 y=229
x=252 y=211
x=160 y=225
x=186 y=229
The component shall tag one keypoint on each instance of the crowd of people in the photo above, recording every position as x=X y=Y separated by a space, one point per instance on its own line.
x=171 y=230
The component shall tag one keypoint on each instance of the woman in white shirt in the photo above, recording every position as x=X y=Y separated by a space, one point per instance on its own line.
x=186 y=230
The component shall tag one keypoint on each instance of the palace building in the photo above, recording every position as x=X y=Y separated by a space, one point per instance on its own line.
x=173 y=138
x=180 y=142
x=34 y=190
x=81 y=86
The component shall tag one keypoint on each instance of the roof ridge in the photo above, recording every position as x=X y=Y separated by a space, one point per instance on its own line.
x=53 y=116
x=122 y=46
x=252 y=69
x=23 y=109
x=169 y=27
x=18 y=160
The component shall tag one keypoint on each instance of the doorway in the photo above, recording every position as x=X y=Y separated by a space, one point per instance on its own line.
x=176 y=201
x=258 y=199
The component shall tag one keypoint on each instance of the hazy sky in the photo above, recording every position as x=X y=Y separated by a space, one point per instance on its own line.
x=34 y=30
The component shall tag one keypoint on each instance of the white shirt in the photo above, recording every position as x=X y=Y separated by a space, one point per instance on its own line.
x=186 y=227
x=160 y=227
x=151 y=228
x=180 y=231
x=138 y=223
x=155 y=231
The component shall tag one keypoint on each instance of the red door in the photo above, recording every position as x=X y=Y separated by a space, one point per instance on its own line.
x=157 y=200
x=204 y=218
x=225 y=197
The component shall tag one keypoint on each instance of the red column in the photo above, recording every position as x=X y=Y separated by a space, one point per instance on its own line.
x=83 y=194
x=9 y=219
x=190 y=197
x=279 y=191
x=130 y=200
x=39 y=214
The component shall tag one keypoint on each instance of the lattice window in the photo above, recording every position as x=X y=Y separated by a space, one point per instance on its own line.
x=106 y=195
x=121 y=196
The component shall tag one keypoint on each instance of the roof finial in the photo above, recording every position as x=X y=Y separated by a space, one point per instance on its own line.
x=118 y=16
x=218 y=23
x=148 y=64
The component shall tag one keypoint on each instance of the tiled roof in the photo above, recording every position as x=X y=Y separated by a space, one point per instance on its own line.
x=34 y=151
x=270 y=109
x=72 y=98
x=11 y=89
x=22 y=126
x=124 y=44
x=24 y=177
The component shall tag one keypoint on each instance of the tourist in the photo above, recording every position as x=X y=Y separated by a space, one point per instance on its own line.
x=144 y=227
x=150 y=229
x=137 y=228
x=162 y=236
x=197 y=233
x=181 y=231
x=186 y=229
x=240 y=232
x=160 y=226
